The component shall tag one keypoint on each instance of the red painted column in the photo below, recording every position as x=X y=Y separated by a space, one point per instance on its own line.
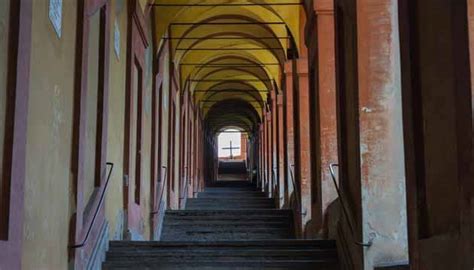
x=282 y=180
x=264 y=158
x=303 y=151
x=274 y=144
x=382 y=168
x=289 y=127
x=268 y=143
x=327 y=103
x=261 y=159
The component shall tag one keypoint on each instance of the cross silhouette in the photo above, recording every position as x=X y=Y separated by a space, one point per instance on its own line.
x=231 y=150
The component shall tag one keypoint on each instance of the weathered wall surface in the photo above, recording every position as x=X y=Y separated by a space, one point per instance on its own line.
x=48 y=185
x=115 y=141
x=437 y=99
x=381 y=134
x=4 y=26
x=145 y=202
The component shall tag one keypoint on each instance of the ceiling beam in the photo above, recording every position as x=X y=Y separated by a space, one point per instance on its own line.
x=229 y=49
x=227 y=4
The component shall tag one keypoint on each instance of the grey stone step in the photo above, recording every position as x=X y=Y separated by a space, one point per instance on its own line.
x=217 y=222
x=230 y=213
x=293 y=243
x=213 y=207
x=232 y=200
x=231 y=184
x=230 y=189
x=232 y=226
x=253 y=194
x=230 y=265
x=223 y=254
x=223 y=235
x=218 y=227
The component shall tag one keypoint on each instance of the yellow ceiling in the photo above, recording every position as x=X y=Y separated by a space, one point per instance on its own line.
x=232 y=52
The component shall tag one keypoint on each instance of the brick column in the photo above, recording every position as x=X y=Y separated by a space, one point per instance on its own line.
x=327 y=103
x=265 y=152
x=382 y=169
x=268 y=143
x=282 y=176
x=303 y=150
x=289 y=127
x=261 y=157
x=274 y=145
x=243 y=146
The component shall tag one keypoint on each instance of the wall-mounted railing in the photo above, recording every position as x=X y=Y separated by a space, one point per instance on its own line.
x=297 y=192
x=343 y=205
x=157 y=210
x=185 y=181
x=99 y=205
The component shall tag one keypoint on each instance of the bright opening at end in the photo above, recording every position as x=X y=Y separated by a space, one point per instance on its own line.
x=229 y=144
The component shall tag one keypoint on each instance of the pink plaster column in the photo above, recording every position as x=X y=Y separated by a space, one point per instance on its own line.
x=327 y=102
x=289 y=127
x=274 y=146
x=382 y=169
x=282 y=181
x=268 y=142
x=303 y=167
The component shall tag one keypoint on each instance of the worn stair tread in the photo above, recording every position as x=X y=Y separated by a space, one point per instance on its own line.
x=225 y=223
x=246 y=263
x=276 y=242
x=231 y=225
x=277 y=253
x=228 y=212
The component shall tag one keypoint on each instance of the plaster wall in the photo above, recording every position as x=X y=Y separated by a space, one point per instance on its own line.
x=439 y=111
x=4 y=29
x=147 y=133
x=116 y=123
x=347 y=107
x=381 y=134
x=49 y=193
x=165 y=117
x=176 y=150
x=327 y=103
x=442 y=155
x=92 y=106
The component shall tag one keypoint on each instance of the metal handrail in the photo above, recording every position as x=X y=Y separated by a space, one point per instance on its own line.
x=295 y=188
x=185 y=193
x=274 y=170
x=344 y=208
x=197 y=188
x=274 y=175
x=157 y=210
x=101 y=200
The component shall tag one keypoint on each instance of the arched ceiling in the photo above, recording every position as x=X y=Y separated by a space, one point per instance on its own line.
x=228 y=53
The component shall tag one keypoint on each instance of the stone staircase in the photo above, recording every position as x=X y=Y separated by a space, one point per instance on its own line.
x=230 y=225
x=234 y=167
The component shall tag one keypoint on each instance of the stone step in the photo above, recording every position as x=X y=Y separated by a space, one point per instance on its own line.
x=226 y=215
x=237 y=195
x=213 y=207
x=226 y=236
x=231 y=226
x=228 y=265
x=230 y=189
x=218 y=226
x=231 y=199
x=231 y=184
x=293 y=243
x=227 y=218
x=229 y=203
x=231 y=213
x=223 y=235
x=220 y=254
